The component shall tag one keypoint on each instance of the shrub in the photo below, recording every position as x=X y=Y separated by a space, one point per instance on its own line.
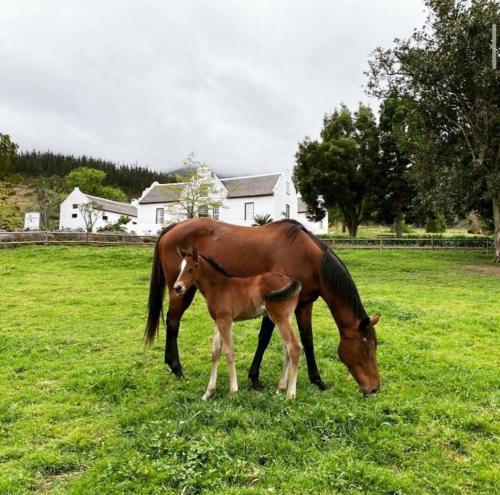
x=262 y=219
x=436 y=225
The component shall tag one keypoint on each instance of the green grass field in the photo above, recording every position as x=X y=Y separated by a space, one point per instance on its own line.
x=85 y=409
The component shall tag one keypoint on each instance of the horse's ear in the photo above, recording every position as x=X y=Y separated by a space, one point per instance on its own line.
x=182 y=252
x=194 y=254
x=374 y=320
x=363 y=324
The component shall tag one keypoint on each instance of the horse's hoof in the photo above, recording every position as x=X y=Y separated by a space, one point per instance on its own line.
x=256 y=385
x=321 y=385
x=178 y=373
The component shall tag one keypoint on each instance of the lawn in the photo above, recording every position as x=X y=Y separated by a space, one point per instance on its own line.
x=85 y=409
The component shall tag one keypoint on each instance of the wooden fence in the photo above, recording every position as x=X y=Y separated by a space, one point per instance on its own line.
x=108 y=239
x=67 y=237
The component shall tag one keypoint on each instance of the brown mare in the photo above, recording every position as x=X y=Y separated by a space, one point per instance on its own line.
x=283 y=246
x=233 y=299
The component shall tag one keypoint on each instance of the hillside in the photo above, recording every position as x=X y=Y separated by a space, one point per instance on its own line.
x=132 y=179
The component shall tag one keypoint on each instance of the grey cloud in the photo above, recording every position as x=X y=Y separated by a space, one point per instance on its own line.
x=239 y=83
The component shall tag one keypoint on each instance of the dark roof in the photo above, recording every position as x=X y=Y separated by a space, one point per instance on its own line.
x=301 y=206
x=259 y=185
x=163 y=193
x=114 y=206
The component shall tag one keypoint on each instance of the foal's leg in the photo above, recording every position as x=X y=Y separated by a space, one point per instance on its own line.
x=293 y=349
x=216 y=348
x=226 y=334
x=284 y=371
x=265 y=334
x=176 y=307
x=303 y=315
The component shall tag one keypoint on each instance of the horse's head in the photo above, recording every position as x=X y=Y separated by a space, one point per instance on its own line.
x=188 y=273
x=358 y=351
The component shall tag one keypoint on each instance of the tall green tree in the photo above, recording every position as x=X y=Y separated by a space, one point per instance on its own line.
x=90 y=181
x=339 y=169
x=445 y=69
x=8 y=154
x=394 y=185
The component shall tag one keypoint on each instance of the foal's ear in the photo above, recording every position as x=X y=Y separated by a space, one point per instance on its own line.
x=374 y=320
x=194 y=254
x=182 y=252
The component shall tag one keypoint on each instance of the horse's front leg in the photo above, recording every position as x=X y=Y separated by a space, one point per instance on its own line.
x=177 y=305
x=265 y=334
x=303 y=315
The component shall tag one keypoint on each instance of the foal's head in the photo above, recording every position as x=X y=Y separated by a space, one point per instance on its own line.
x=189 y=270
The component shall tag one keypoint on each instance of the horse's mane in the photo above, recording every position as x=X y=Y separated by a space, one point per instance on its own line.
x=333 y=271
x=216 y=266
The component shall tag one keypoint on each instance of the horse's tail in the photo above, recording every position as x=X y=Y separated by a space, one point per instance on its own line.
x=286 y=292
x=156 y=292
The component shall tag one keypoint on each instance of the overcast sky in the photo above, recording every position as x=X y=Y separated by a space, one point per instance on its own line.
x=240 y=83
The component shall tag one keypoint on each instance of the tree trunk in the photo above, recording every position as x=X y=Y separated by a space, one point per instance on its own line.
x=496 y=222
x=352 y=226
x=398 y=224
x=344 y=226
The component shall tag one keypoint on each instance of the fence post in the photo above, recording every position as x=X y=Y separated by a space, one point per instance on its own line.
x=333 y=244
x=380 y=249
x=46 y=238
x=432 y=243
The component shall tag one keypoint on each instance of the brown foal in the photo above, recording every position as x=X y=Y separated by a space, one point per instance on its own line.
x=234 y=299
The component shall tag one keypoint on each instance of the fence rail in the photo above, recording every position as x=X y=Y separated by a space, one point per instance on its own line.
x=67 y=237
x=109 y=239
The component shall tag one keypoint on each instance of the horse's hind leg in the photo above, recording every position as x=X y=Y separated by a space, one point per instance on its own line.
x=265 y=334
x=177 y=305
x=216 y=348
x=303 y=315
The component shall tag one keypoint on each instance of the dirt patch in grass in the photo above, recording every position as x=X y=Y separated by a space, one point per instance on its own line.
x=492 y=269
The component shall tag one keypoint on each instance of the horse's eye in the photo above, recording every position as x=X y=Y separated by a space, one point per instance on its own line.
x=190 y=270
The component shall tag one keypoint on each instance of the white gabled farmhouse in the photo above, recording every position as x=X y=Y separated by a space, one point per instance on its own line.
x=236 y=200
x=242 y=198
x=71 y=218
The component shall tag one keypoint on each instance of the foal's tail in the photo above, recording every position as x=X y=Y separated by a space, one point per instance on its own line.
x=156 y=292
x=286 y=292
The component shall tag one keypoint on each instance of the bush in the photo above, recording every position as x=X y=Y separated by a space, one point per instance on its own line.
x=436 y=225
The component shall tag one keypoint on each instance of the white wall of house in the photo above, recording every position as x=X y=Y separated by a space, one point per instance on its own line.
x=32 y=220
x=233 y=210
x=318 y=228
x=70 y=217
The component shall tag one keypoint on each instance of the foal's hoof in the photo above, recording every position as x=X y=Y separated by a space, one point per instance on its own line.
x=256 y=385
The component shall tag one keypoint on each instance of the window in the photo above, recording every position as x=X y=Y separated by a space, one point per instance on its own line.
x=288 y=187
x=249 y=207
x=105 y=217
x=287 y=211
x=203 y=211
x=160 y=213
x=75 y=206
x=74 y=215
x=216 y=212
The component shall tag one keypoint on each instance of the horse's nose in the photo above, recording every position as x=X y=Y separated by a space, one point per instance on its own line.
x=178 y=289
